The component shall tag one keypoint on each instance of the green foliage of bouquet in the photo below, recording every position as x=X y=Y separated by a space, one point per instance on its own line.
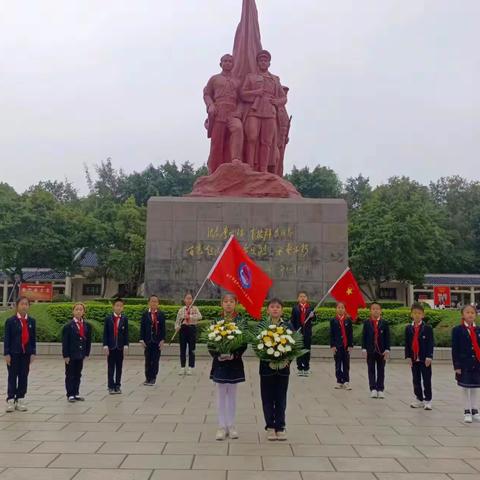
x=277 y=344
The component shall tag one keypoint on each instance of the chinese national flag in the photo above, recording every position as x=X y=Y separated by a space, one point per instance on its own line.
x=347 y=291
x=236 y=272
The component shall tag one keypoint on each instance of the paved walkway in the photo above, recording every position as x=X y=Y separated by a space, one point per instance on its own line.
x=167 y=432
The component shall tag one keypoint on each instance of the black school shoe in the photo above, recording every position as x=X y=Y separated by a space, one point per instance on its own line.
x=111 y=391
x=118 y=390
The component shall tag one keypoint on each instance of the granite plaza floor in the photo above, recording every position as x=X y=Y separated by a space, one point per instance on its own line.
x=167 y=432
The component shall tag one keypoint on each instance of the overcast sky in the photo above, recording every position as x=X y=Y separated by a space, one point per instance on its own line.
x=381 y=87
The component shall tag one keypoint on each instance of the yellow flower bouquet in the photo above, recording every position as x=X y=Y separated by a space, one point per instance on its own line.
x=277 y=344
x=225 y=337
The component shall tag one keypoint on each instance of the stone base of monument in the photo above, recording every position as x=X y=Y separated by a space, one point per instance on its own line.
x=301 y=243
x=237 y=179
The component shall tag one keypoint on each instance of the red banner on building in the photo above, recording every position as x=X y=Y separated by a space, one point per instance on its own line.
x=42 y=292
x=441 y=296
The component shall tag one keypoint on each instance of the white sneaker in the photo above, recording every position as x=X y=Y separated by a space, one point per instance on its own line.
x=282 y=436
x=232 y=432
x=10 y=406
x=188 y=371
x=428 y=406
x=373 y=394
x=347 y=386
x=181 y=371
x=271 y=435
x=467 y=418
x=475 y=415
x=221 y=434
x=20 y=405
x=381 y=395
x=417 y=404
x=339 y=386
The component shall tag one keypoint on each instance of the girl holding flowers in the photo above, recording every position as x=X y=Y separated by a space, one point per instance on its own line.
x=276 y=345
x=227 y=341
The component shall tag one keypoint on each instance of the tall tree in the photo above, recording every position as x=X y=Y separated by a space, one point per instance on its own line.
x=357 y=191
x=396 y=234
x=321 y=182
x=458 y=199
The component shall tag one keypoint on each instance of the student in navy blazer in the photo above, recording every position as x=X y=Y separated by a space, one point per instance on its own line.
x=466 y=361
x=76 y=344
x=115 y=343
x=376 y=348
x=152 y=338
x=19 y=348
x=274 y=383
x=302 y=319
x=341 y=342
x=419 y=346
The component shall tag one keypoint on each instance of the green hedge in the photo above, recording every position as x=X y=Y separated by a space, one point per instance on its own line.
x=52 y=317
x=216 y=302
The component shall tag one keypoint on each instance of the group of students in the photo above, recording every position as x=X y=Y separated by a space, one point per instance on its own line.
x=228 y=371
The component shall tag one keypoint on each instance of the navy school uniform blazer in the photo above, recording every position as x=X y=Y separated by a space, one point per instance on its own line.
x=336 y=333
x=74 y=346
x=463 y=354
x=296 y=324
x=109 y=339
x=12 y=343
x=147 y=333
x=368 y=337
x=425 y=341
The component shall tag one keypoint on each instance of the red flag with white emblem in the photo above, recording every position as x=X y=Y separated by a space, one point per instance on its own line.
x=236 y=272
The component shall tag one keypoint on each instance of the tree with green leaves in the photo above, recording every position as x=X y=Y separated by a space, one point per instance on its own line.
x=396 y=235
x=36 y=231
x=357 y=191
x=321 y=182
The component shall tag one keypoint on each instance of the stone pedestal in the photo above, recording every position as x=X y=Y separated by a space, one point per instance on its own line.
x=301 y=243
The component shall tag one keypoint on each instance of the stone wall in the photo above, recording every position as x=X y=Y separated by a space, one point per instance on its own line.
x=300 y=243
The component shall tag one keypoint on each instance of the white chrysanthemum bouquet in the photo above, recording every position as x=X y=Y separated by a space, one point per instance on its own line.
x=277 y=344
x=224 y=337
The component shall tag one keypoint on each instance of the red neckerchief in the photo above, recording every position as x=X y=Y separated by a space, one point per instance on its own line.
x=341 y=321
x=375 y=333
x=154 y=320
x=415 y=341
x=81 y=327
x=471 y=329
x=187 y=315
x=25 y=332
x=116 y=323
x=303 y=312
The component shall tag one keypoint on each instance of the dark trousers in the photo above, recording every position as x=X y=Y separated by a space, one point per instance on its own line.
x=18 y=376
x=342 y=365
x=421 y=372
x=115 y=363
x=376 y=371
x=274 y=400
x=303 y=362
x=188 y=338
x=152 y=360
x=73 y=374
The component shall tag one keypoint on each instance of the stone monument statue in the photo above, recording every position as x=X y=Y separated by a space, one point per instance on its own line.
x=248 y=124
x=264 y=95
x=247 y=119
x=224 y=125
